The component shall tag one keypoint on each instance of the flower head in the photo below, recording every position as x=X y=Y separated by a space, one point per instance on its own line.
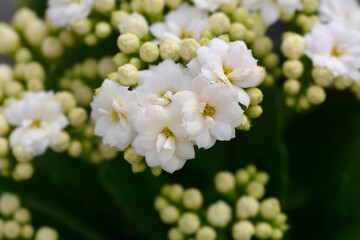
x=210 y=5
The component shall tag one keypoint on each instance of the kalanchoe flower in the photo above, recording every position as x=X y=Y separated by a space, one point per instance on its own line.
x=345 y=11
x=271 y=10
x=231 y=64
x=39 y=120
x=184 y=22
x=210 y=5
x=210 y=113
x=64 y=12
x=335 y=46
x=110 y=110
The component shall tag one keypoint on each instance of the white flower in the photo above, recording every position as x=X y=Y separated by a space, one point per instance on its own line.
x=39 y=120
x=231 y=64
x=210 y=5
x=270 y=10
x=64 y=12
x=160 y=83
x=345 y=11
x=184 y=22
x=162 y=138
x=110 y=111
x=210 y=113
x=335 y=46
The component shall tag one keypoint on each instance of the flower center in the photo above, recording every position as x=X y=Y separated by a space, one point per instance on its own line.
x=167 y=132
x=36 y=123
x=227 y=71
x=185 y=34
x=337 y=51
x=208 y=110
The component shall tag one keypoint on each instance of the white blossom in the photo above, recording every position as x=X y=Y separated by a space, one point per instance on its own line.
x=271 y=10
x=336 y=47
x=345 y=11
x=210 y=113
x=231 y=64
x=110 y=111
x=210 y=5
x=39 y=120
x=184 y=22
x=64 y=12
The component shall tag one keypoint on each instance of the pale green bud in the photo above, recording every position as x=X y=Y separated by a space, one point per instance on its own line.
x=219 y=214
x=6 y=73
x=175 y=234
x=52 y=48
x=294 y=46
x=303 y=103
x=95 y=156
x=219 y=23
x=165 y=190
x=271 y=61
x=89 y=131
x=270 y=208
x=277 y=234
x=255 y=189
x=136 y=62
x=206 y=233
x=229 y=6
x=240 y=14
x=107 y=153
x=316 y=95
x=256 y=96
x=23 y=55
x=310 y=22
x=104 y=6
x=46 y=233
x=173 y=3
x=91 y=40
x=293 y=69
x=188 y=49
x=224 y=182
x=136 y=24
x=149 y=52
x=128 y=43
x=290 y=101
x=4 y=147
x=153 y=7
x=247 y=207
x=67 y=101
x=169 y=214
x=343 y=82
x=35 y=31
x=22 y=17
x=131 y=157
x=21 y=154
x=237 y=32
x=125 y=6
x=9 y=39
x=243 y=230
x=4 y=125
x=4 y=164
x=77 y=117
x=310 y=6
x=27 y=231
x=261 y=46
x=33 y=70
x=170 y=49
x=280 y=219
x=301 y=19
x=67 y=38
x=105 y=66
x=75 y=149
x=63 y=142
x=206 y=34
x=242 y=177
x=23 y=171
x=137 y=6
x=117 y=18
x=120 y=59
x=22 y=215
x=160 y=203
x=189 y=223
x=103 y=30
x=287 y=17
x=254 y=111
x=176 y=192
x=128 y=75
x=251 y=169
x=262 y=177
x=245 y=125
x=82 y=26
x=322 y=76
x=9 y=203
x=192 y=199
x=263 y=230
x=83 y=95
x=13 y=89
x=112 y=76
x=35 y=85
x=292 y=86
x=89 y=68
x=11 y=230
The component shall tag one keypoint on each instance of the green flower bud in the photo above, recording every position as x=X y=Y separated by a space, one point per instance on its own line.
x=247 y=207
x=322 y=76
x=105 y=66
x=149 y=52
x=176 y=192
x=169 y=214
x=277 y=234
x=343 y=82
x=206 y=233
x=229 y=6
x=4 y=125
x=240 y=14
x=156 y=171
x=136 y=62
x=206 y=34
x=175 y=234
x=219 y=23
x=293 y=69
x=125 y=6
x=173 y=4
x=189 y=223
x=67 y=101
x=103 y=30
x=22 y=215
x=22 y=17
x=192 y=199
x=9 y=203
x=63 y=142
x=77 y=117
x=254 y=111
x=294 y=46
x=95 y=156
x=128 y=75
x=292 y=86
x=27 y=231
x=23 y=171
x=188 y=49
x=204 y=42
x=104 y=6
x=91 y=40
x=242 y=177
x=287 y=17
x=224 y=182
x=128 y=43
x=261 y=46
x=251 y=169
x=67 y=38
x=9 y=39
x=237 y=32
x=21 y=154
x=33 y=70
x=219 y=214
x=52 y=48
x=290 y=101
x=262 y=177
x=270 y=208
x=250 y=37
x=89 y=68
x=316 y=95
x=303 y=103
x=280 y=219
x=309 y=23
x=75 y=149
x=107 y=152
x=117 y=18
x=82 y=27
x=4 y=147
x=120 y=59
x=310 y=6
x=136 y=24
x=170 y=49
x=263 y=230
x=255 y=189
x=154 y=7
x=23 y=55
x=46 y=233
x=11 y=230
x=6 y=73
x=160 y=203
x=131 y=157
x=256 y=96
x=271 y=61
x=243 y=230
x=13 y=89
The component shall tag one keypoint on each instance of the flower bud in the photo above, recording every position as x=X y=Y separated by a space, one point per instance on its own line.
x=13 y=89
x=136 y=62
x=6 y=73
x=4 y=147
x=160 y=203
x=169 y=214
x=204 y=42
x=310 y=6
x=156 y=171
x=95 y=156
x=136 y=24
x=4 y=125
x=301 y=19
x=22 y=215
x=270 y=208
x=263 y=230
x=206 y=233
x=83 y=95
x=117 y=18
x=128 y=75
x=247 y=207
x=293 y=69
x=271 y=61
x=175 y=234
x=219 y=214
x=139 y=167
x=173 y=4
x=9 y=39
x=104 y=6
x=89 y=68
x=103 y=30
x=21 y=154
x=4 y=164
x=22 y=17
x=11 y=230
x=229 y=6
x=128 y=43
x=255 y=189
x=131 y=157
x=91 y=40
x=107 y=152
x=81 y=27
x=75 y=149
x=225 y=38
x=77 y=117
x=46 y=233
x=303 y=103
x=120 y=59
x=292 y=86
x=67 y=101
x=105 y=66
x=219 y=23
x=176 y=192
x=154 y=7
x=63 y=142
x=240 y=14
x=343 y=82
x=224 y=182
x=35 y=31
x=189 y=223
x=188 y=49
x=170 y=49
x=322 y=76
x=237 y=32
x=262 y=177
x=23 y=55
x=309 y=23
x=261 y=46
x=149 y=52
x=316 y=95
x=277 y=234
x=9 y=203
x=23 y=171
x=35 y=85
x=242 y=177
x=280 y=219
x=192 y=199
x=52 y=48
x=243 y=230
x=254 y=111
x=294 y=46
x=256 y=96
x=245 y=125
x=27 y=231
x=67 y=38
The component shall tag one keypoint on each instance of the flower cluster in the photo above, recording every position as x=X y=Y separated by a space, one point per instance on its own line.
x=240 y=204
x=15 y=221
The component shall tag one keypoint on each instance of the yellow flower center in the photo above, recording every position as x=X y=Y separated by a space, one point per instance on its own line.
x=167 y=132
x=185 y=34
x=337 y=51
x=209 y=111
x=227 y=71
x=117 y=116
x=36 y=123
